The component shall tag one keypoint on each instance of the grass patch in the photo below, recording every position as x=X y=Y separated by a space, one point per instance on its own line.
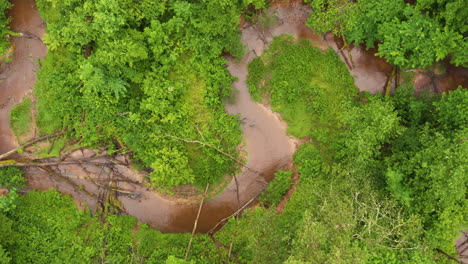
x=53 y=149
x=21 y=117
x=309 y=87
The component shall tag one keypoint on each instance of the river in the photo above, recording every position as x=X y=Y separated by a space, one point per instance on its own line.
x=266 y=142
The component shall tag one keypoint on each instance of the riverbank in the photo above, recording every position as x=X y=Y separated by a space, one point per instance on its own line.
x=267 y=145
x=17 y=77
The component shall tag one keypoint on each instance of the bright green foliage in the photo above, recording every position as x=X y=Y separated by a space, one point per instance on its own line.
x=154 y=246
x=451 y=111
x=257 y=4
x=427 y=171
x=4 y=29
x=409 y=35
x=8 y=202
x=142 y=73
x=12 y=179
x=277 y=188
x=384 y=180
x=331 y=15
x=300 y=80
x=21 y=117
x=46 y=227
x=257 y=237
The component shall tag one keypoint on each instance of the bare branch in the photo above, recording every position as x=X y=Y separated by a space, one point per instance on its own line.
x=232 y=215
x=27 y=162
x=196 y=223
x=215 y=148
x=32 y=142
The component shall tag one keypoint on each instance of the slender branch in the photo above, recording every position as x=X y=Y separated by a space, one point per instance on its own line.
x=110 y=187
x=51 y=172
x=27 y=163
x=234 y=214
x=32 y=142
x=196 y=223
x=447 y=255
x=215 y=148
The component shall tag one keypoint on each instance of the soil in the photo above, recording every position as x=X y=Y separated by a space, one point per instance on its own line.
x=462 y=247
x=438 y=81
x=4 y=192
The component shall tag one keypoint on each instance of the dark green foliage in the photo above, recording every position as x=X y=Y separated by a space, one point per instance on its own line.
x=4 y=258
x=21 y=117
x=140 y=74
x=277 y=188
x=12 y=177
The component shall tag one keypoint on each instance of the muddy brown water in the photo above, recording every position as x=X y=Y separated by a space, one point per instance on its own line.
x=266 y=142
x=462 y=247
x=17 y=78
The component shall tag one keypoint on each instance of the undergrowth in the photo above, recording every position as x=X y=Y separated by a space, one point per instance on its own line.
x=21 y=117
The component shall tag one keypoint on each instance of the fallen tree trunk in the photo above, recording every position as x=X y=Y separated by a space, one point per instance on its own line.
x=28 y=163
x=196 y=223
x=234 y=214
x=32 y=142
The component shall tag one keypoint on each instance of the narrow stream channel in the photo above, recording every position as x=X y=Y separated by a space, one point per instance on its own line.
x=17 y=77
x=266 y=142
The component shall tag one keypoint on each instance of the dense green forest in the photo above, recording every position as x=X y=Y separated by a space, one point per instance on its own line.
x=134 y=75
x=381 y=179
x=409 y=34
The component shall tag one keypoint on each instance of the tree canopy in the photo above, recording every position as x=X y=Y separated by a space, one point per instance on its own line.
x=136 y=75
x=407 y=34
